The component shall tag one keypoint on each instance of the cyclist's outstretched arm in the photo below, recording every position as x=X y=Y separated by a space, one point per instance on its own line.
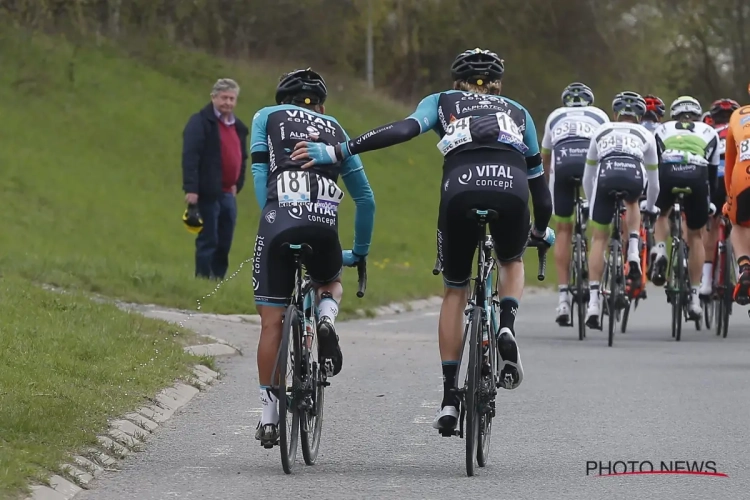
x=424 y=118
x=355 y=180
x=547 y=149
x=651 y=162
x=541 y=198
x=259 y=156
x=589 y=172
x=730 y=157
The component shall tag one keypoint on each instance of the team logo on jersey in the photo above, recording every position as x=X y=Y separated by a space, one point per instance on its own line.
x=465 y=178
x=313 y=133
x=271 y=216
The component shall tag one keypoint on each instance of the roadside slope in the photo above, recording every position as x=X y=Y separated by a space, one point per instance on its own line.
x=91 y=182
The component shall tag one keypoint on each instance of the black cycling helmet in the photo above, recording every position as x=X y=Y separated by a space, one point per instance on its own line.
x=629 y=104
x=577 y=94
x=303 y=85
x=475 y=66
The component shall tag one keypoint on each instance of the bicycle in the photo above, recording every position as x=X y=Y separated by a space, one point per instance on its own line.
x=678 y=280
x=303 y=395
x=579 y=264
x=477 y=396
x=613 y=277
x=634 y=294
x=720 y=304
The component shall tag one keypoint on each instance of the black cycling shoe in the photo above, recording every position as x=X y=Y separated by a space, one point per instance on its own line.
x=741 y=293
x=329 y=351
x=268 y=435
x=659 y=271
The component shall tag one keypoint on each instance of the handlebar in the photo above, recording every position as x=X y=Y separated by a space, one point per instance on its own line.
x=541 y=248
x=436 y=270
x=361 y=266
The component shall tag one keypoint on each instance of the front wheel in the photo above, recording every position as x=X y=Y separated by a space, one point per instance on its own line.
x=615 y=274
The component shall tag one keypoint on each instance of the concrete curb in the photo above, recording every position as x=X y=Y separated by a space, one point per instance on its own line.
x=124 y=437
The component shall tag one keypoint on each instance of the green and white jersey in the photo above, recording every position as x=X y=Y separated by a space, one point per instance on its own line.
x=689 y=143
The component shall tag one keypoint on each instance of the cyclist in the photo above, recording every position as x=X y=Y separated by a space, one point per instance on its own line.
x=737 y=208
x=655 y=110
x=621 y=157
x=690 y=158
x=567 y=133
x=719 y=114
x=491 y=161
x=300 y=207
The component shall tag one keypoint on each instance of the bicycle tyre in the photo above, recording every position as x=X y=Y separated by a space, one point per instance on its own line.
x=613 y=292
x=287 y=402
x=472 y=389
x=489 y=384
x=678 y=294
x=625 y=316
x=728 y=287
x=580 y=294
x=313 y=417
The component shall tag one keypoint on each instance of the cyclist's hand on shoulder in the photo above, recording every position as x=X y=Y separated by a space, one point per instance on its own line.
x=548 y=236
x=317 y=152
x=711 y=209
x=351 y=259
x=725 y=209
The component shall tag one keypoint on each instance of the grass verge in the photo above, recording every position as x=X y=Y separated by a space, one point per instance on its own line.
x=66 y=365
x=94 y=186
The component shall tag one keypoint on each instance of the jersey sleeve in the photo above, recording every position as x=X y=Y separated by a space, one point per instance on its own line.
x=715 y=157
x=533 y=159
x=730 y=157
x=259 y=156
x=426 y=113
x=650 y=155
x=547 y=137
x=358 y=186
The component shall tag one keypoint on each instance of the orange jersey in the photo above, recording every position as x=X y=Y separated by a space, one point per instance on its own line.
x=738 y=144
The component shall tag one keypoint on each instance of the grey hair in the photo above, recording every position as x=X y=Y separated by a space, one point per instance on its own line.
x=225 y=85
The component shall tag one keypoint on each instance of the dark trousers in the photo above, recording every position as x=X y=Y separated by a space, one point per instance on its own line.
x=215 y=240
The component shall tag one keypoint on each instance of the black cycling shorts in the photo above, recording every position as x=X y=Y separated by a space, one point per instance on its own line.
x=568 y=162
x=486 y=181
x=273 y=268
x=696 y=203
x=615 y=174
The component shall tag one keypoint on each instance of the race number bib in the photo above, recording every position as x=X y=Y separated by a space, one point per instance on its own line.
x=619 y=143
x=509 y=132
x=293 y=187
x=328 y=191
x=683 y=158
x=570 y=128
x=456 y=134
x=745 y=150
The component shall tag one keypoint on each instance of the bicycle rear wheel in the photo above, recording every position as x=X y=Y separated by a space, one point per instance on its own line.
x=729 y=282
x=288 y=372
x=615 y=273
x=473 y=376
x=488 y=392
x=311 y=415
x=580 y=293
x=678 y=294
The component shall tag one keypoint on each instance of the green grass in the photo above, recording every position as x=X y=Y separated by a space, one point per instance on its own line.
x=66 y=365
x=92 y=180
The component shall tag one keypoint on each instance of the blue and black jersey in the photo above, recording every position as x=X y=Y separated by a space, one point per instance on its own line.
x=275 y=131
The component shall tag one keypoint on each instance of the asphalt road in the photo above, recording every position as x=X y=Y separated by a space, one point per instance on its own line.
x=646 y=398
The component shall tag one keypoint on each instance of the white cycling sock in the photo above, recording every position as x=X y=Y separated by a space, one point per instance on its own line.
x=328 y=308
x=708 y=271
x=268 y=402
x=633 y=246
x=563 y=294
x=594 y=293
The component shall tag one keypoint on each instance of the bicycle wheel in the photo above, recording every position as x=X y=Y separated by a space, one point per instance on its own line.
x=289 y=372
x=488 y=392
x=678 y=297
x=313 y=383
x=473 y=380
x=625 y=316
x=729 y=282
x=580 y=292
x=615 y=271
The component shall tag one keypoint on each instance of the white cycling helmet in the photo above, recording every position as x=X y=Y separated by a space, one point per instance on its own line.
x=685 y=104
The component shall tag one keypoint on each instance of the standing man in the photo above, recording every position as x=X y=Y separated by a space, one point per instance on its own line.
x=214 y=157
